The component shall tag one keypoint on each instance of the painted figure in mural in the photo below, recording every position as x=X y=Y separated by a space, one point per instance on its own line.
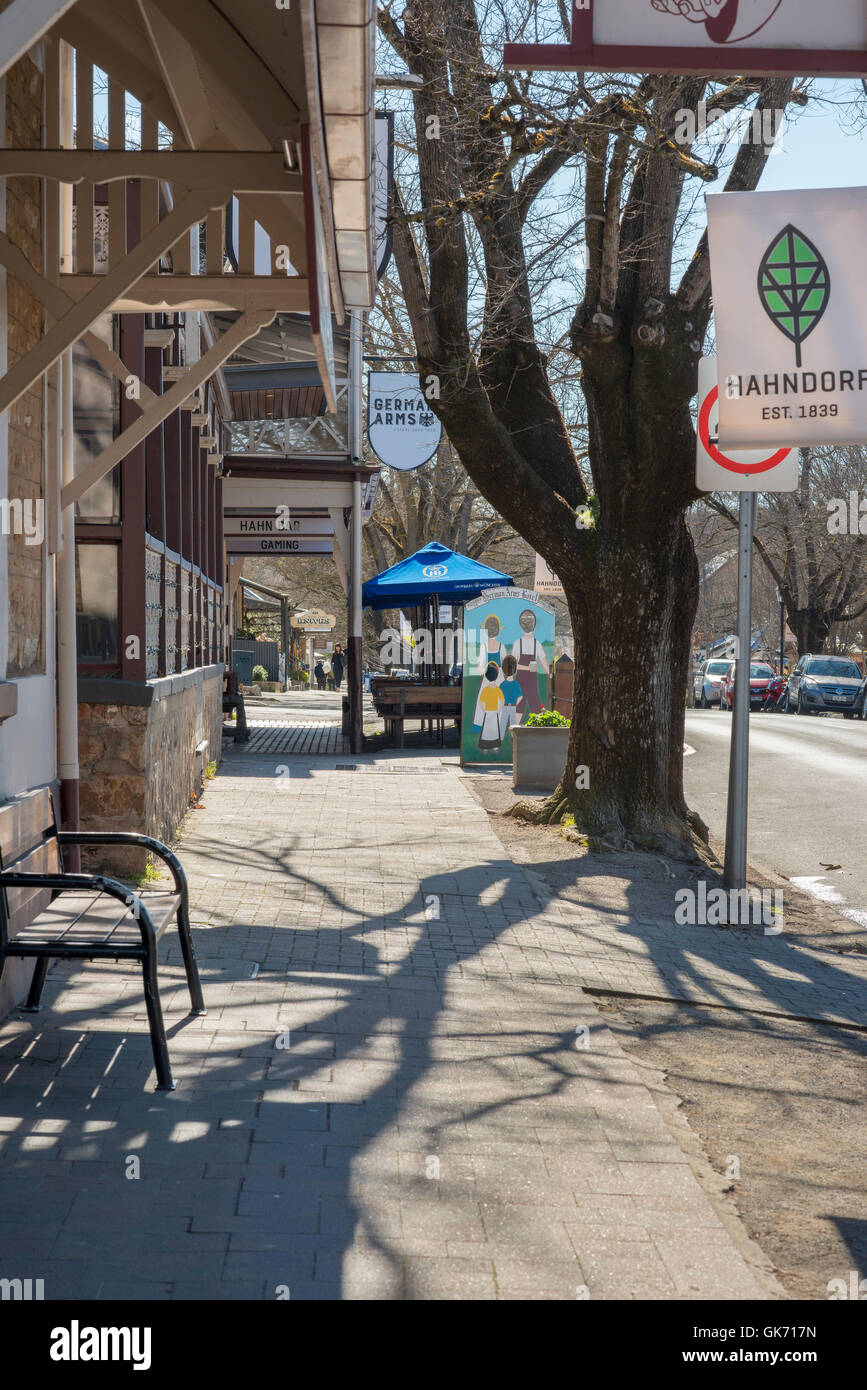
x=512 y=696
x=492 y=650
x=726 y=21
x=531 y=660
x=491 y=701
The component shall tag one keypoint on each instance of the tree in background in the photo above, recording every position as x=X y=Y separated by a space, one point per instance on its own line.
x=479 y=236
x=812 y=545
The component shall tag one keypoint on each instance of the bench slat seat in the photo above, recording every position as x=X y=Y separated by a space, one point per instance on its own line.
x=102 y=924
x=47 y=913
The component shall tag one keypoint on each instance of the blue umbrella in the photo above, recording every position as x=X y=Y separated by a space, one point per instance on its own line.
x=432 y=571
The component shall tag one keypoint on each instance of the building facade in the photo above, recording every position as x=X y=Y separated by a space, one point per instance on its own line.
x=172 y=179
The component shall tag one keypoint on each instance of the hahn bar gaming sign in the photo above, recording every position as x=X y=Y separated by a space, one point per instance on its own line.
x=402 y=428
x=790 y=311
x=707 y=36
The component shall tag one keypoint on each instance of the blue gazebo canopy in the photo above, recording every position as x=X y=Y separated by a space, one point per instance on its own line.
x=433 y=570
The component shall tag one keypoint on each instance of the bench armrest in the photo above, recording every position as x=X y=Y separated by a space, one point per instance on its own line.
x=67 y=883
x=130 y=837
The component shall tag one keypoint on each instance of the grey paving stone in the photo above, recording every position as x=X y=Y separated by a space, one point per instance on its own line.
x=409 y=1041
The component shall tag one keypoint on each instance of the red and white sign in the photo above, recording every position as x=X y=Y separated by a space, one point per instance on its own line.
x=707 y=36
x=744 y=470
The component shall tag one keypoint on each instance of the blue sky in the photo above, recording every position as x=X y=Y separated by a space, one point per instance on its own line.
x=816 y=152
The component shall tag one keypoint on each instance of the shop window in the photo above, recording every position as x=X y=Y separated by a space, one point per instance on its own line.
x=96 y=418
x=96 y=602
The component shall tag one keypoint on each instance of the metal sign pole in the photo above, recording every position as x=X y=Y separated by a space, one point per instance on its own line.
x=735 y=872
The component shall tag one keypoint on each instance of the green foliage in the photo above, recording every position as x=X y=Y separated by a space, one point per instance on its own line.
x=152 y=874
x=548 y=719
x=211 y=770
x=259 y=673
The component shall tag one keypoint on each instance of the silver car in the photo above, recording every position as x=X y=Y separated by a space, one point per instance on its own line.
x=824 y=685
x=708 y=682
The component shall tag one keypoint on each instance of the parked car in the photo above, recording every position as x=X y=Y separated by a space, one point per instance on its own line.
x=825 y=684
x=760 y=679
x=706 y=684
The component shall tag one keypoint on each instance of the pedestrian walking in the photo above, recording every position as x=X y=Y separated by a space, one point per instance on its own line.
x=319 y=673
x=337 y=662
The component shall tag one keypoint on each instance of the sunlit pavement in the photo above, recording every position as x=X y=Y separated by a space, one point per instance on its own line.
x=808 y=797
x=390 y=1096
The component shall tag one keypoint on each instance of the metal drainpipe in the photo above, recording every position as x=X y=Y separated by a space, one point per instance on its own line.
x=67 y=646
x=356 y=364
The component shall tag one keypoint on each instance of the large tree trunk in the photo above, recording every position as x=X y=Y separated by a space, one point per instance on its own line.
x=811 y=629
x=632 y=650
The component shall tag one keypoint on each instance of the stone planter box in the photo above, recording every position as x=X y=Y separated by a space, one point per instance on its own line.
x=538 y=757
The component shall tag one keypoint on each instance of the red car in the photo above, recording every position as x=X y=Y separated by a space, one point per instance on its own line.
x=760 y=678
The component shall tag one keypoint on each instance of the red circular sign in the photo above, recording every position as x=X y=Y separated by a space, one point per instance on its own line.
x=743 y=468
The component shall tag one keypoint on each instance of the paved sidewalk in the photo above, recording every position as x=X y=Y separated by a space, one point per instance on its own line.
x=390 y=1096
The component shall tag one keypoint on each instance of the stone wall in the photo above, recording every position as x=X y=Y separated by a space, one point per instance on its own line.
x=139 y=767
x=24 y=318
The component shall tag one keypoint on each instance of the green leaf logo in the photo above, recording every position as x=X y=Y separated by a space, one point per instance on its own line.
x=794 y=285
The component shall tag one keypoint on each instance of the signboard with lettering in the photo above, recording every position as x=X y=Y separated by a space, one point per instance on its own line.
x=279 y=545
x=546 y=581
x=790 y=312
x=314 y=620
x=277 y=524
x=403 y=430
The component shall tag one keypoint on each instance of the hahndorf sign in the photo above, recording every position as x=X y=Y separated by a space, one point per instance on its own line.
x=790 y=311
x=403 y=430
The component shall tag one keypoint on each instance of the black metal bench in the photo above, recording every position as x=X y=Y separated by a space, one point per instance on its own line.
x=47 y=914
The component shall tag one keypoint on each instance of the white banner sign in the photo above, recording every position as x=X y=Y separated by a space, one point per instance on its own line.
x=546 y=581
x=790 y=310
x=745 y=470
x=278 y=545
x=277 y=525
x=403 y=430
x=776 y=24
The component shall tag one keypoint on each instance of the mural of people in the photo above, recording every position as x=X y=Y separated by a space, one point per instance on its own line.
x=507 y=671
x=529 y=654
x=512 y=696
x=491 y=699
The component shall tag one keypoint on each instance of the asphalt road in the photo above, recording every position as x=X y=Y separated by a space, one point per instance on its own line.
x=808 y=798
